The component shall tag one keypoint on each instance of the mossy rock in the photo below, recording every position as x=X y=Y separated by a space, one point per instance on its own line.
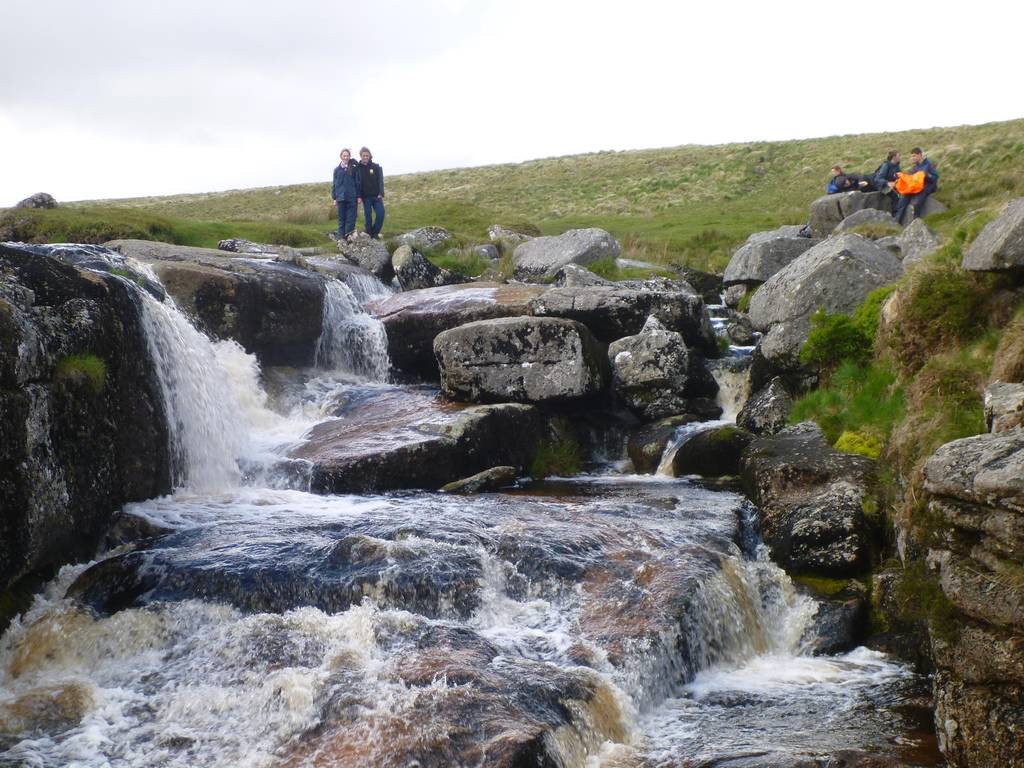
x=88 y=369
x=712 y=453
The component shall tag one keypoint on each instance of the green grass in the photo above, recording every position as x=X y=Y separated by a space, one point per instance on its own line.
x=85 y=367
x=857 y=398
x=688 y=205
x=97 y=225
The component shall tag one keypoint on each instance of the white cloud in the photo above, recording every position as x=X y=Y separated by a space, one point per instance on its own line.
x=118 y=98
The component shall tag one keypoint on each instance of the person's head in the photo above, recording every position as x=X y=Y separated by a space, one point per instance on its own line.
x=365 y=156
x=836 y=170
x=917 y=154
x=893 y=156
x=346 y=155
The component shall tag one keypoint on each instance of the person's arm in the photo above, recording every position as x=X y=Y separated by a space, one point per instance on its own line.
x=357 y=178
x=931 y=173
x=381 y=172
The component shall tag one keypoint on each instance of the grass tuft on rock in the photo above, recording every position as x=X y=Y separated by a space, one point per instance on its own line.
x=87 y=368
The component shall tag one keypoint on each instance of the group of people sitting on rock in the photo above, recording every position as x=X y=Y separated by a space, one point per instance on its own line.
x=356 y=183
x=905 y=188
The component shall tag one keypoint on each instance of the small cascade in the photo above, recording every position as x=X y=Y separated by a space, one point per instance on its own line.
x=365 y=287
x=682 y=434
x=733 y=377
x=351 y=341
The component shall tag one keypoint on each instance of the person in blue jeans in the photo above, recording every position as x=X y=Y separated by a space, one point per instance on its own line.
x=931 y=183
x=370 y=180
x=345 y=193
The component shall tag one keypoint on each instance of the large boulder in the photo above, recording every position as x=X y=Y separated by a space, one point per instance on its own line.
x=829 y=210
x=414 y=271
x=38 y=200
x=917 y=242
x=425 y=238
x=868 y=217
x=999 y=247
x=812 y=500
x=412 y=319
x=647 y=444
x=273 y=309
x=541 y=257
x=711 y=452
x=976 y=498
x=408 y=438
x=369 y=253
x=612 y=312
x=708 y=286
x=81 y=412
x=835 y=275
x=521 y=359
x=650 y=371
x=764 y=254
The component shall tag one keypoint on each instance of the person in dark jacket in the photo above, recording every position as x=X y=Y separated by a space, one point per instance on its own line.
x=931 y=183
x=847 y=182
x=345 y=193
x=885 y=177
x=371 y=188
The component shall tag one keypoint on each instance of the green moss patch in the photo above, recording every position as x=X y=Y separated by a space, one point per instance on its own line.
x=87 y=368
x=556 y=457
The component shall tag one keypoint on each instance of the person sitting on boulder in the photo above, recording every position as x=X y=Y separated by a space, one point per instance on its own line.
x=847 y=182
x=931 y=182
x=885 y=177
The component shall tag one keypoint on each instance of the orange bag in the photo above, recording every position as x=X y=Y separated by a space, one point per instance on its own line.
x=909 y=183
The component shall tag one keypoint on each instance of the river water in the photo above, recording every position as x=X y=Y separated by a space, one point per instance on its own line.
x=605 y=620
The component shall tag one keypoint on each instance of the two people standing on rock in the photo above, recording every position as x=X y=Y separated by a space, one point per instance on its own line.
x=356 y=183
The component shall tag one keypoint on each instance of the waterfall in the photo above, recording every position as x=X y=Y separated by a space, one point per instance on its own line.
x=202 y=409
x=733 y=377
x=365 y=287
x=351 y=341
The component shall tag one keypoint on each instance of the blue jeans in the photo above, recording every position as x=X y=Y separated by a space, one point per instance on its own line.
x=918 y=201
x=346 y=217
x=373 y=205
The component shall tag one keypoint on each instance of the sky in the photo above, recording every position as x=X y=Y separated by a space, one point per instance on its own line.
x=122 y=98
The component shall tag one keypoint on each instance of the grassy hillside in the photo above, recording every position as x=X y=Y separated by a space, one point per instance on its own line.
x=689 y=204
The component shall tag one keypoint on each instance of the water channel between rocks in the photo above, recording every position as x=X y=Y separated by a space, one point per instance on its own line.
x=606 y=620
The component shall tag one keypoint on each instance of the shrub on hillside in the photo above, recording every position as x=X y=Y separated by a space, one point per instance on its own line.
x=834 y=339
x=937 y=308
x=1008 y=361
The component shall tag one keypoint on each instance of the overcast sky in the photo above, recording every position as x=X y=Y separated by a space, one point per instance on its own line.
x=118 y=98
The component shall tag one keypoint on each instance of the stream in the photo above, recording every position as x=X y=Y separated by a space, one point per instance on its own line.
x=600 y=621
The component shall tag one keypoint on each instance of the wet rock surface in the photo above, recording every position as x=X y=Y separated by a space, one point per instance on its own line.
x=399 y=438
x=650 y=371
x=272 y=308
x=414 y=271
x=811 y=499
x=520 y=359
x=372 y=255
x=413 y=319
x=767 y=411
x=711 y=452
x=493 y=479
x=81 y=414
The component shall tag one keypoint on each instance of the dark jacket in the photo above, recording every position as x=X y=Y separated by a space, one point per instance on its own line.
x=848 y=182
x=346 y=185
x=371 y=179
x=931 y=174
x=885 y=173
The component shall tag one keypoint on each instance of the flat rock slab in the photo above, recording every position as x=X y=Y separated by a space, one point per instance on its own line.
x=413 y=319
x=389 y=438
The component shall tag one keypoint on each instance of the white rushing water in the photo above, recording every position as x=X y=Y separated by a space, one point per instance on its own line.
x=631 y=588
x=352 y=341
